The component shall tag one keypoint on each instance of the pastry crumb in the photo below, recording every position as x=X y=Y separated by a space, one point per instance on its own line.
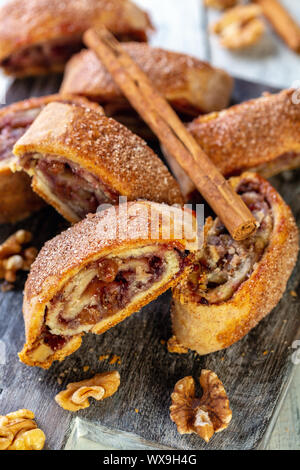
x=86 y=368
x=136 y=410
x=175 y=347
x=293 y=293
x=115 y=359
x=103 y=357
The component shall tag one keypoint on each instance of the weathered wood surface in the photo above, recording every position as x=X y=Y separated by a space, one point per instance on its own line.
x=254 y=380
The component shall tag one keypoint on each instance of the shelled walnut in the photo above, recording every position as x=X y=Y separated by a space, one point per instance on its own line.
x=76 y=396
x=14 y=256
x=220 y=4
x=19 y=431
x=240 y=27
x=206 y=415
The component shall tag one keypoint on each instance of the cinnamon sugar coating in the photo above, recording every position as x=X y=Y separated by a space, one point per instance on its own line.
x=188 y=83
x=250 y=134
x=23 y=24
x=105 y=148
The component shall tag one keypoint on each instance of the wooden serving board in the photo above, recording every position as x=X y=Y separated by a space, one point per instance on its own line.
x=256 y=371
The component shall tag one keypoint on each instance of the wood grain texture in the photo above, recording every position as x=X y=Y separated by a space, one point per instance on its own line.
x=253 y=378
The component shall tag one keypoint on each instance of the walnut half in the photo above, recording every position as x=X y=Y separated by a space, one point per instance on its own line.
x=19 y=431
x=206 y=415
x=240 y=27
x=76 y=396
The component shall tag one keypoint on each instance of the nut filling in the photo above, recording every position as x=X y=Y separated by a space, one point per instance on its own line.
x=100 y=290
x=75 y=187
x=224 y=264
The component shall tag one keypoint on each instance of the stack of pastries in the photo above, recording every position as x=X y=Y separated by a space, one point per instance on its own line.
x=73 y=151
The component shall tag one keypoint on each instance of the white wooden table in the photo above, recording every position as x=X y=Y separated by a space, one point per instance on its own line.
x=182 y=25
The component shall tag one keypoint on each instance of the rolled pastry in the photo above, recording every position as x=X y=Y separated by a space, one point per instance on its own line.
x=100 y=271
x=261 y=135
x=79 y=159
x=234 y=285
x=17 y=200
x=39 y=36
x=190 y=85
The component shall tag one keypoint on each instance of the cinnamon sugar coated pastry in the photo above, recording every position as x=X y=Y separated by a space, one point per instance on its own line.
x=233 y=285
x=79 y=159
x=76 y=396
x=262 y=135
x=39 y=36
x=204 y=416
x=19 y=431
x=17 y=200
x=99 y=272
x=190 y=85
x=240 y=27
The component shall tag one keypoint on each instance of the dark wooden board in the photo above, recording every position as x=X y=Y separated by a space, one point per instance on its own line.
x=254 y=381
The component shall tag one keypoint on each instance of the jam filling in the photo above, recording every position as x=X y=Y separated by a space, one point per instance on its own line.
x=12 y=127
x=54 y=54
x=47 y=55
x=117 y=281
x=223 y=263
x=75 y=187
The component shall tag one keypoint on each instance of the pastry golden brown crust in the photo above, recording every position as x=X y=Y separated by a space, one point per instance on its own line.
x=45 y=27
x=64 y=263
x=98 y=150
x=17 y=200
x=207 y=327
x=190 y=85
x=260 y=135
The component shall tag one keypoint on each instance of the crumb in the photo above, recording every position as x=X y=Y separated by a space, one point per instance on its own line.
x=162 y=341
x=265 y=352
x=293 y=293
x=136 y=410
x=104 y=357
x=86 y=368
x=175 y=347
x=222 y=358
x=243 y=354
x=115 y=359
x=59 y=381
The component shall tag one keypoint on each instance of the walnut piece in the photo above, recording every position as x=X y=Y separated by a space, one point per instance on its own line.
x=76 y=396
x=14 y=257
x=19 y=431
x=240 y=27
x=175 y=347
x=220 y=4
x=206 y=415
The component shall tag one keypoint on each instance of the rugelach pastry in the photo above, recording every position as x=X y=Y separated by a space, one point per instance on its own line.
x=234 y=285
x=17 y=200
x=261 y=135
x=100 y=271
x=39 y=36
x=190 y=85
x=79 y=159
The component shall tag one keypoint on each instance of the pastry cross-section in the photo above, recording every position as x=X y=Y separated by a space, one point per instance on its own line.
x=99 y=272
x=233 y=285
x=17 y=200
x=39 y=36
x=79 y=159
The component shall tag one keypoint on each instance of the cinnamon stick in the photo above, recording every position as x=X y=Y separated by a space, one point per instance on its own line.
x=165 y=123
x=282 y=22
